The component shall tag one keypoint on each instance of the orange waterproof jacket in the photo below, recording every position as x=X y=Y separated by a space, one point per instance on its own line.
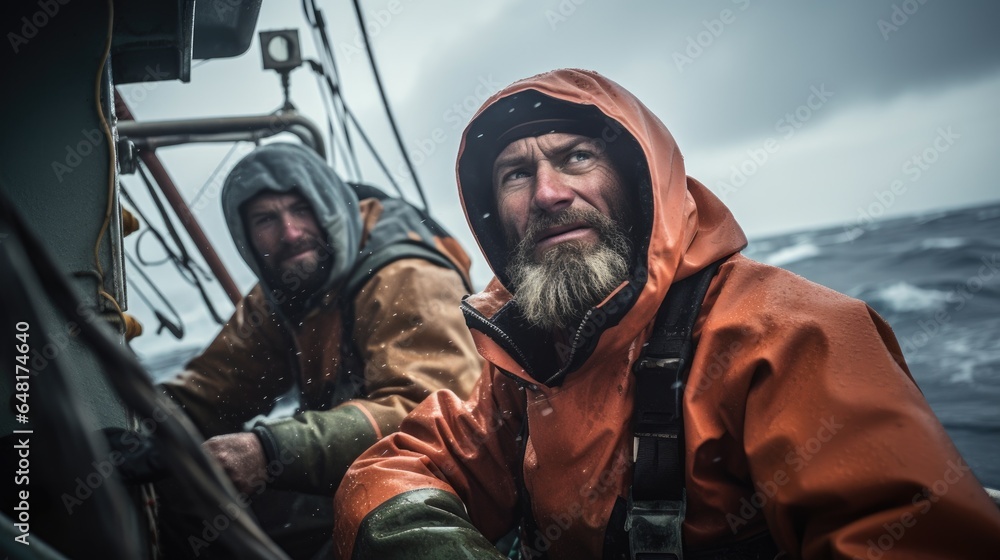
x=800 y=416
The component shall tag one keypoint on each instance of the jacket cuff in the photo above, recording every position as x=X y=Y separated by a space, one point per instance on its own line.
x=311 y=451
x=422 y=523
x=267 y=441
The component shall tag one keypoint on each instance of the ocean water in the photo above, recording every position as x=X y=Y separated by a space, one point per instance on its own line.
x=935 y=278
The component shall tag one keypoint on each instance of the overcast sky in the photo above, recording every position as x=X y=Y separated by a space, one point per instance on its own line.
x=798 y=114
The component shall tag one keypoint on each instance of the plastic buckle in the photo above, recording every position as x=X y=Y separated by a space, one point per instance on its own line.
x=654 y=528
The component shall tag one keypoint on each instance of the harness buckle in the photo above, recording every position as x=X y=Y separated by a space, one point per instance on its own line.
x=651 y=364
x=654 y=528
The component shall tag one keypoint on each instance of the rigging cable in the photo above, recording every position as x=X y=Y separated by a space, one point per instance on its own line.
x=315 y=18
x=328 y=98
x=367 y=141
x=175 y=328
x=112 y=163
x=188 y=268
x=201 y=191
x=344 y=113
x=388 y=110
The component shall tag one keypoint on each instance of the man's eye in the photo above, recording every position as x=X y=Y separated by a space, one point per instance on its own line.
x=580 y=156
x=515 y=175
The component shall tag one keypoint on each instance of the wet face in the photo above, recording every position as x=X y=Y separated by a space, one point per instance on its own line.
x=564 y=212
x=289 y=243
x=539 y=180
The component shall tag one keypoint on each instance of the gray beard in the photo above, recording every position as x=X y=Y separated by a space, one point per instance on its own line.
x=570 y=278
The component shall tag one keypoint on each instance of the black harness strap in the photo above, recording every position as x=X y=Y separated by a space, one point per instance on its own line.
x=653 y=515
x=656 y=505
x=660 y=376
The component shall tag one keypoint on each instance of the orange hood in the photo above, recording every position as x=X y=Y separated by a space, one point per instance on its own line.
x=686 y=226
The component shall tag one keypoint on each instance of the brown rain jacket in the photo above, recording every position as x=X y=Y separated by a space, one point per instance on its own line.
x=800 y=415
x=407 y=336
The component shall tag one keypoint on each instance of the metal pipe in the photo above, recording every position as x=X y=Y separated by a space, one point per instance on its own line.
x=254 y=127
x=169 y=190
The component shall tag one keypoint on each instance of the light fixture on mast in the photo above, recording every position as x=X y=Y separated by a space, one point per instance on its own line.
x=280 y=52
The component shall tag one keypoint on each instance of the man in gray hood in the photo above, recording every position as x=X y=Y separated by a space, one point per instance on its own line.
x=357 y=311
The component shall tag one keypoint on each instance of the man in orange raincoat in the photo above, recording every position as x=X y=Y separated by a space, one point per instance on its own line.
x=803 y=430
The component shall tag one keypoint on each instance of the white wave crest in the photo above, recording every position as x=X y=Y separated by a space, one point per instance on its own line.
x=792 y=254
x=942 y=243
x=904 y=297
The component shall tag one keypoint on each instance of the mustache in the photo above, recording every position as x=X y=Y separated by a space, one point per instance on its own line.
x=287 y=251
x=592 y=218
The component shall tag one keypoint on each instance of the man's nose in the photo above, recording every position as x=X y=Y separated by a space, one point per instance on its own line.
x=553 y=192
x=292 y=229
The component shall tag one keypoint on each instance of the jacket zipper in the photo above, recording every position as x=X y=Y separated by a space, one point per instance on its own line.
x=481 y=320
x=572 y=349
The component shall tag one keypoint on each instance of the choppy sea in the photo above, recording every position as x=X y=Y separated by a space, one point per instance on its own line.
x=934 y=277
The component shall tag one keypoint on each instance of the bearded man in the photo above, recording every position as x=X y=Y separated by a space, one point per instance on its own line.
x=356 y=316
x=799 y=427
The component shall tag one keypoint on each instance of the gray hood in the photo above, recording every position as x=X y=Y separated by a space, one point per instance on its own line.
x=283 y=167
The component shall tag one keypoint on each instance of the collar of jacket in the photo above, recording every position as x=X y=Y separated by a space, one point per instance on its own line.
x=536 y=356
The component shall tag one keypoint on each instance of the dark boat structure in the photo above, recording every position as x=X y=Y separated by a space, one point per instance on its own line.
x=86 y=432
